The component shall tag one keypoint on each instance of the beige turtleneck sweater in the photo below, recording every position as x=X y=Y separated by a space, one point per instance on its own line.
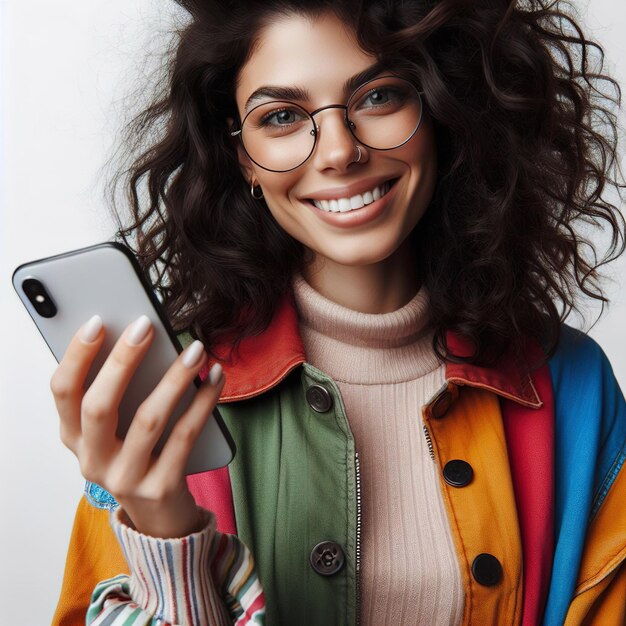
x=386 y=370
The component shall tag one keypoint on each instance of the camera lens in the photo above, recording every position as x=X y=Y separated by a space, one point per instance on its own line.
x=39 y=297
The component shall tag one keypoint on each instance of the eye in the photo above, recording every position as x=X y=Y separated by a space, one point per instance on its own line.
x=282 y=117
x=387 y=96
x=378 y=96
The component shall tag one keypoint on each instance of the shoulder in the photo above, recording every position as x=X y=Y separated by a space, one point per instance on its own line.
x=589 y=409
x=588 y=401
x=577 y=345
x=579 y=362
x=582 y=374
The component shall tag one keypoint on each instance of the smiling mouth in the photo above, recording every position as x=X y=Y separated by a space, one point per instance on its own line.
x=358 y=201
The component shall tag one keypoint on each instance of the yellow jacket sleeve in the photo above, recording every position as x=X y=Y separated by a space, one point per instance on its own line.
x=94 y=555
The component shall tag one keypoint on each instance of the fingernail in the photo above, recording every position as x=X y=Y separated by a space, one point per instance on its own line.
x=215 y=374
x=138 y=330
x=193 y=354
x=91 y=329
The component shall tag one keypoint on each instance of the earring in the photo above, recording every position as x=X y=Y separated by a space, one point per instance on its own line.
x=254 y=191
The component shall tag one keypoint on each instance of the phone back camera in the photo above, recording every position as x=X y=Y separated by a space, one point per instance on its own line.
x=39 y=297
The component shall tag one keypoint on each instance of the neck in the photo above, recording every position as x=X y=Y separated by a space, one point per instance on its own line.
x=380 y=287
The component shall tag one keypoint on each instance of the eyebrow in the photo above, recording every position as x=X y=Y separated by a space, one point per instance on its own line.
x=277 y=92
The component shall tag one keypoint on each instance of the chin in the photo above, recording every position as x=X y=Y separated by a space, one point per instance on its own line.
x=366 y=253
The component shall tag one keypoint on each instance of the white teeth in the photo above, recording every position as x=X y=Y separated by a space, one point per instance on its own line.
x=356 y=202
x=342 y=205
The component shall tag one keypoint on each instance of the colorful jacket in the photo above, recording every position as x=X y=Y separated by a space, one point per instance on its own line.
x=540 y=527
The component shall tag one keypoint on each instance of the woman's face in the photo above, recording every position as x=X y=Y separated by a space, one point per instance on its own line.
x=319 y=56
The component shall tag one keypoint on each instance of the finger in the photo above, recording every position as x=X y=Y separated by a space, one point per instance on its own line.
x=101 y=401
x=154 y=413
x=67 y=382
x=172 y=461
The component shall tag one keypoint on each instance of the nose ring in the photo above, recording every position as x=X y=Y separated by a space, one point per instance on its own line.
x=358 y=149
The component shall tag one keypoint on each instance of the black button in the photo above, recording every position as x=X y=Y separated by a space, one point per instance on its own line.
x=441 y=405
x=327 y=558
x=487 y=570
x=319 y=398
x=458 y=473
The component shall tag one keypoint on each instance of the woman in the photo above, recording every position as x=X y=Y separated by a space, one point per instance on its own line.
x=366 y=212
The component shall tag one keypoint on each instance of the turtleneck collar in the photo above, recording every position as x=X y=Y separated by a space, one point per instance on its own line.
x=365 y=348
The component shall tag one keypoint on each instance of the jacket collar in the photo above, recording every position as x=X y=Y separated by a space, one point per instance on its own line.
x=262 y=361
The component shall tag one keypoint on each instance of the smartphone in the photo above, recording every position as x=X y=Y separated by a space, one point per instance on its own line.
x=62 y=292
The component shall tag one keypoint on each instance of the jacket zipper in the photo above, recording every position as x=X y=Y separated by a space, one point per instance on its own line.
x=357 y=466
x=429 y=442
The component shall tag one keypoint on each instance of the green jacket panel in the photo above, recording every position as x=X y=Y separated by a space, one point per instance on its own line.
x=294 y=486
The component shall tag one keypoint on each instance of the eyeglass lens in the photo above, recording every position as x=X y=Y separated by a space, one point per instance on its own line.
x=383 y=114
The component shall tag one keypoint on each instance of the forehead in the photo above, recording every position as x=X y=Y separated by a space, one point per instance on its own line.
x=318 y=53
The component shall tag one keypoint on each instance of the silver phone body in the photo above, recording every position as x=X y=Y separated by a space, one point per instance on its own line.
x=106 y=280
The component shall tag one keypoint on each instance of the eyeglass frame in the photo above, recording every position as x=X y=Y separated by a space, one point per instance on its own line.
x=316 y=129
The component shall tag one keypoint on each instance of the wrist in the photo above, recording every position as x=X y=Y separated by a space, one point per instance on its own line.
x=165 y=520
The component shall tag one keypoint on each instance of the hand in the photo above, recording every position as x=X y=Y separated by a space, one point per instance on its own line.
x=151 y=489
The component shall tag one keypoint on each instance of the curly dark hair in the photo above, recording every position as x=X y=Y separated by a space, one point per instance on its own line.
x=526 y=142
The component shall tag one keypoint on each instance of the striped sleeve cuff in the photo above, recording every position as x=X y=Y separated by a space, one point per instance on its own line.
x=234 y=572
x=169 y=577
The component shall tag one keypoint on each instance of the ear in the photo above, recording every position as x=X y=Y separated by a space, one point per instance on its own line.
x=246 y=165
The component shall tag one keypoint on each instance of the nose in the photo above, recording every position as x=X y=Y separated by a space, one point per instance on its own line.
x=336 y=147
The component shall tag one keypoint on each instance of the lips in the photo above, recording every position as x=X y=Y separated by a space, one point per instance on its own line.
x=356 y=218
x=350 y=198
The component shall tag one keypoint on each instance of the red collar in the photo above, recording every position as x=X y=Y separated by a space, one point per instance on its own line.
x=262 y=361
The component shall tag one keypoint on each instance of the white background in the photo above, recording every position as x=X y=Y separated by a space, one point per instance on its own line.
x=67 y=69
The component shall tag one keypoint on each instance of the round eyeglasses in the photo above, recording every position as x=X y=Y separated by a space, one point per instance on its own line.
x=382 y=114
